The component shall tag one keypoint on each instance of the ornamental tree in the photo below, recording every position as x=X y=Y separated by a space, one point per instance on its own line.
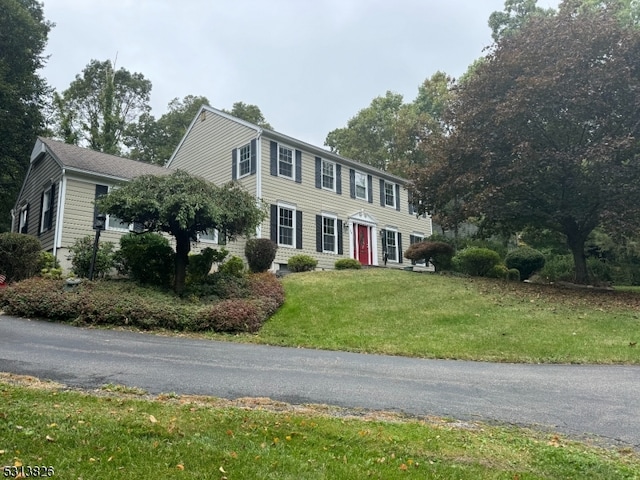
x=184 y=206
x=546 y=132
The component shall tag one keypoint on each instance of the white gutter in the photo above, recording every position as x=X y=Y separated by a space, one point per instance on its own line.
x=259 y=179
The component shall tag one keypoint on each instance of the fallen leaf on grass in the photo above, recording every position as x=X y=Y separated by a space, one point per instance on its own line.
x=153 y=419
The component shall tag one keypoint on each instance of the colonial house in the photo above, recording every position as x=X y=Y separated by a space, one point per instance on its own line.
x=56 y=202
x=319 y=203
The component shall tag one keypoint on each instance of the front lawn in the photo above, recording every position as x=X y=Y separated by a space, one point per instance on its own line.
x=435 y=316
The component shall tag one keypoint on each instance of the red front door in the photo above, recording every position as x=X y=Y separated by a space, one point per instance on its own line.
x=362 y=250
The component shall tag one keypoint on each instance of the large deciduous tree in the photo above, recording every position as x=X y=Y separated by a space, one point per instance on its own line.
x=516 y=13
x=250 y=113
x=547 y=131
x=154 y=141
x=99 y=105
x=183 y=206
x=23 y=37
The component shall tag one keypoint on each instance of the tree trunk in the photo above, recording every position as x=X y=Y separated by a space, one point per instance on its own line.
x=183 y=246
x=576 y=244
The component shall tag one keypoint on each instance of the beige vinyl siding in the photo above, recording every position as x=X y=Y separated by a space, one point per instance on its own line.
x=314 y=201
x=42 y=174
x=206 y=151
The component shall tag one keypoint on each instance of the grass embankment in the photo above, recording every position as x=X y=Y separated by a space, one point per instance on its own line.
x=113 y=435
x=434 y=316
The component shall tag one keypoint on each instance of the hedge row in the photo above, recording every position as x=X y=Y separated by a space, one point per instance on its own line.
x=120 y=303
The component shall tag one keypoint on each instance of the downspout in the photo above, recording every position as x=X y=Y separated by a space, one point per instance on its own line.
x=62 y=193
x=259 y=178
x=13 y=219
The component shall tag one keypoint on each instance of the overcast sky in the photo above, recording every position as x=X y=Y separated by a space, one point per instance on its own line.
x=310 y=65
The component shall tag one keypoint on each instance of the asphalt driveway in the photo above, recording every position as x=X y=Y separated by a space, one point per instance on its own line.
x=578 y=400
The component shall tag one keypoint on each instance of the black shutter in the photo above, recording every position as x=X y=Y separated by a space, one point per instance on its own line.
x=338 y=179
x=412 y=209
x=382 y=199
x=274 y=223
x=298 y=166
x=383 y=236
x=234 y=164
x=273 y=156
x=399 y=247
x=318 y=172
x=298 y=229
x=101 y=191
x=370 y=187
x=352 y=182
x=252 y=162
x=413 y=239
x=397 y=197
x=51 y=204
x=319 y=233
x=340 y=239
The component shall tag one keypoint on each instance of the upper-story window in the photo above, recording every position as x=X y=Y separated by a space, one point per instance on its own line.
x=328 y=175
x=390 y=194
x=285 y=161
x=361 y=186
x=46 y=218
x=244 y=160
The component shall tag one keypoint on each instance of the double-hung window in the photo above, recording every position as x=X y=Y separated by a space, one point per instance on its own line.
x=24 y=217
x=47 y=209
x=361 y=186
x=415 y=238
x=390 y=194
x=244 y=160
x=328 y=175
x=329 y=235
x=391 y=241
x=286 y=226
x=285 y=161
x=210 y=236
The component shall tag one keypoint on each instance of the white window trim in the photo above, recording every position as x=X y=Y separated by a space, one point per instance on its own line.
x=335 y=233
x=213 y=240
x=46 y=207
x=22 y=219
x=395 y=235
x=293 y=225
x=239 y=173
x=366 y=185
x=107 y=220
x=393 y=189
x=293 y=161
x=333 y=165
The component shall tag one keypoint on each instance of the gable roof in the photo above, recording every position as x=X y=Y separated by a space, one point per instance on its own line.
x=273 y=135
x=84 y=160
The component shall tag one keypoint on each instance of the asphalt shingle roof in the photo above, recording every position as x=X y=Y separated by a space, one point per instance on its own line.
x=90 y=161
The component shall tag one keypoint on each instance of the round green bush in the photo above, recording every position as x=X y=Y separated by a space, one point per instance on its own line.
x=260 y=253
x=513 y=275
x=19 y=256
x=498 y=271
x=82 y=253
x=526 y=260
x=234 y=267
x=146 y=258
x=301 y=263
x=347 y=263
x=476 y=261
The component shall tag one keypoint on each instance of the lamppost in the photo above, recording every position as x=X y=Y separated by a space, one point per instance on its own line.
x=98 y=226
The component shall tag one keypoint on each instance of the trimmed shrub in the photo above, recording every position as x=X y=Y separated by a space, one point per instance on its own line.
x=200 y=264
x=82 y=253
x=347 y=263
x=40 y=297
x=526 y=260
x=513 y=275
x=558 y=268
x=439 y=253
x=49 y=266
x=146 y=258
x=19 y=256
x=260 y=253
x=301 y=263
x=234 y=267
x=233 y=316
x=476 y=261
x=498 y=271
x=266 y=285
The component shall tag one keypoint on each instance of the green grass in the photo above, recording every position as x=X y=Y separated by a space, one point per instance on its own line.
x=434 y=316
x=118 y=436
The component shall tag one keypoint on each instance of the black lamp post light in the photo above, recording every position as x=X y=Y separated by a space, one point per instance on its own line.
x=98 y=226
